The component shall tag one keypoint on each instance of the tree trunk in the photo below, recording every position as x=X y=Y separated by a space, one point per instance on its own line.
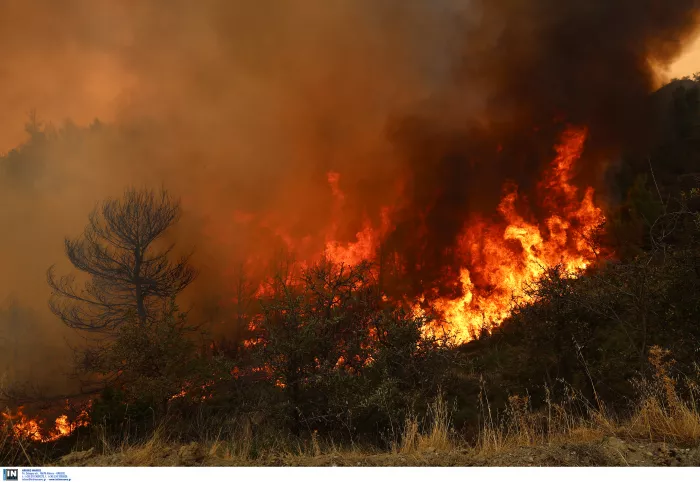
x=140 y=305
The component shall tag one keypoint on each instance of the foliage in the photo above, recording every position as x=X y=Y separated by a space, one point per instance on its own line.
x=147 y=364
x=344 y=360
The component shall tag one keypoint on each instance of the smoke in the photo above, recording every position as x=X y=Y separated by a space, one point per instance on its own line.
x=528 y=68
x=242 y=109
x=239 y=108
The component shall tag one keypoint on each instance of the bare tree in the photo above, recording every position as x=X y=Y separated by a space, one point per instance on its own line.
x=128 y=277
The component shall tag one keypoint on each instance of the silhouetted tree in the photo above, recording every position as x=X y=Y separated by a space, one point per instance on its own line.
x=128 y=277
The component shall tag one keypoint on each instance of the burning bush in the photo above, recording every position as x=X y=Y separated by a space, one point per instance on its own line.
x=594 y=332
x=343 y=359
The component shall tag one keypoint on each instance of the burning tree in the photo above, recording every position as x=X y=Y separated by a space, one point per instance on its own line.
x=128 y=277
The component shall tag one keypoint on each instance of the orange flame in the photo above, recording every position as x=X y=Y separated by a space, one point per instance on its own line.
x=367 y=239
x=506 y=257
x=499 y=258
x=24 y=427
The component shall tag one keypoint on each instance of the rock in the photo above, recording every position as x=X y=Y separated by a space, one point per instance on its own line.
x=190 y=454
x=75 y=457
x=615 y=443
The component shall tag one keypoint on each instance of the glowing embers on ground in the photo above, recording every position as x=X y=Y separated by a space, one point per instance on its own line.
x=24 y=427
x=203 y=392
x=505 y=257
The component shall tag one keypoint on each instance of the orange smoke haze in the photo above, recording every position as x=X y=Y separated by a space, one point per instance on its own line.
x=239 y=108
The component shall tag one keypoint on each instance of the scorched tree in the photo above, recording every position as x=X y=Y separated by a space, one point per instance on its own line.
x=129 y=278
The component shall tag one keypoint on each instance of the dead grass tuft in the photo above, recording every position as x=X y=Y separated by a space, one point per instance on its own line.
x=438 y=436
x=662 y=414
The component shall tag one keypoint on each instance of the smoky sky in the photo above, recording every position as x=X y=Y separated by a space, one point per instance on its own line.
x=527 y=70
x=242 y=108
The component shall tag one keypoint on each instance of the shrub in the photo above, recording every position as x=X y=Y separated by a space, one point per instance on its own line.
x=144 y=367
x=344 y=361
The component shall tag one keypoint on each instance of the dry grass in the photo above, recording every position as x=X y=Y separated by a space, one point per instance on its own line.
x=436 y=438
x=520 y=426
x=662 y=414
x=143 y=454
x=680 y=425
x=12 y=448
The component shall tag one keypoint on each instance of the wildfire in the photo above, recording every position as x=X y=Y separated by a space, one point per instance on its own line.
x=204 y=391
x=367 y=239
x=506 y=257
x=21 y=426
x=499 y=257
x=31 y=428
